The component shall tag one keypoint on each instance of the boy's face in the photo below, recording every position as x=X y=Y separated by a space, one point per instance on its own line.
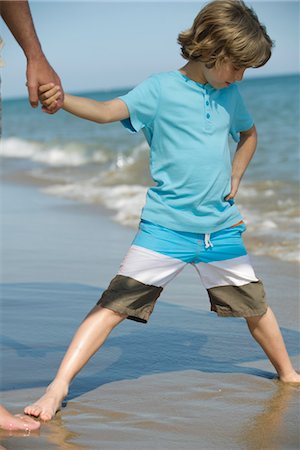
x=223 y=75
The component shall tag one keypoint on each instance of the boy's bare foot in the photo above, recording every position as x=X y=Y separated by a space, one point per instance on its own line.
x=47 y=406
x=292 y=377
x=17 y=422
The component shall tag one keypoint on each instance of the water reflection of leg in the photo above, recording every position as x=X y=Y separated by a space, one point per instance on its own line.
x=57 y=432
x=265 y=430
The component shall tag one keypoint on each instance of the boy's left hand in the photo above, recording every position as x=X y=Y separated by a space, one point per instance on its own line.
x=235 y=182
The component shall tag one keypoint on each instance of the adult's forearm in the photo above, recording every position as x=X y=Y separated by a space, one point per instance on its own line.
x=17 y=16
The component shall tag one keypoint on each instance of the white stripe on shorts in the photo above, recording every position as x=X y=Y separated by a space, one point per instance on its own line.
x=229 y=272
x=150 y=267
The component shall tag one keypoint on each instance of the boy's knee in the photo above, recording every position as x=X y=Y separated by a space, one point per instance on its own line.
x=255 y=319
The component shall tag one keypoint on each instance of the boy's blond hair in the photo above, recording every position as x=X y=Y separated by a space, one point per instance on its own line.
x=226 y=29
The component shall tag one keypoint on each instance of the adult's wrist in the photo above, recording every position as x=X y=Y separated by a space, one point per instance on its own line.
x=35 y=54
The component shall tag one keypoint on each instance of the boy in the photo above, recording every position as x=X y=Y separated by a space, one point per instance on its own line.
x=190 y=215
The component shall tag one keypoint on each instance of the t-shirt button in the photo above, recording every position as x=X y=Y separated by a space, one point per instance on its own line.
x=208 y=115
x=207 y=102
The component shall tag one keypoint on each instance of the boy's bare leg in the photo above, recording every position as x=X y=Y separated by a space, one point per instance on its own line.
x=89 y=337
x=266 y=332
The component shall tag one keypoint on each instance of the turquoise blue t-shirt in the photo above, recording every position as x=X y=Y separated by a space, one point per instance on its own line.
x=187 y=126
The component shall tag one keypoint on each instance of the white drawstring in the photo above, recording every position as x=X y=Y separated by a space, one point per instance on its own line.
x=207 y=241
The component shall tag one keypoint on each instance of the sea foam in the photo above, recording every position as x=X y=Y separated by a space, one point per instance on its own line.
x=62 y=155
x=126 y=200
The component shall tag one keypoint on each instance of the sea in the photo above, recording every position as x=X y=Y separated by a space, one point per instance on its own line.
x=104 y=164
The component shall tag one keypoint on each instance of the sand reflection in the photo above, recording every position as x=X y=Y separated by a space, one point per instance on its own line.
x=267 y=430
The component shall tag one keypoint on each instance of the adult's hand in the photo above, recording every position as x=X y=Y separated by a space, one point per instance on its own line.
x=17 y=16
x=40 y=72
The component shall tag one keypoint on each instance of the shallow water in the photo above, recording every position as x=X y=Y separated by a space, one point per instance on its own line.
x=188 y=379
x=191 y=383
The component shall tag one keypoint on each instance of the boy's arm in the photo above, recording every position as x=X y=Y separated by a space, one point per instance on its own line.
x=100 y=112
x=243 y=155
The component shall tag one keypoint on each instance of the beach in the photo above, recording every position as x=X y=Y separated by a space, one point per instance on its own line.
x=186 y=380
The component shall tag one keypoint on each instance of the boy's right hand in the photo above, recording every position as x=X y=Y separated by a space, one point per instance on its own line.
x=48 y=95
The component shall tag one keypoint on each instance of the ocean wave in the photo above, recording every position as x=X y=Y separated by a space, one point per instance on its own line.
x=126 y=200
x=18 y=148
x=71 y=154
x=130 y=168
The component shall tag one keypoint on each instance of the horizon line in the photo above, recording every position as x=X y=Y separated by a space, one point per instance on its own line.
x=120 y=88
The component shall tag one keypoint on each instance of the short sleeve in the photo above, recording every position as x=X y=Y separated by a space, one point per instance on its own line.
x=242 y=119
x=142 y=103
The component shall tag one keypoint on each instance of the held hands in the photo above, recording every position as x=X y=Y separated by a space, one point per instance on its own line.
x=49 y=96
x=38 y=73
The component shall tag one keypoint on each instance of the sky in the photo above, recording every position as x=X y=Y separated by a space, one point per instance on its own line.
x=104 y=45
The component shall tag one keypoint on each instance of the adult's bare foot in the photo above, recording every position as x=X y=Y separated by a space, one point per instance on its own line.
x=16 y=422
x=47 y=406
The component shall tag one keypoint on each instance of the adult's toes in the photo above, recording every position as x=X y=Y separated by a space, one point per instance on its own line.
x=32 y=424
x=28 y=419
x=28 y=422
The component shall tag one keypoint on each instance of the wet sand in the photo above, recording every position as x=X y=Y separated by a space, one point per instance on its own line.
x=187 y=380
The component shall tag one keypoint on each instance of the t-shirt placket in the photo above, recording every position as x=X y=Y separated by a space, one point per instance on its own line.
x=207 y=111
